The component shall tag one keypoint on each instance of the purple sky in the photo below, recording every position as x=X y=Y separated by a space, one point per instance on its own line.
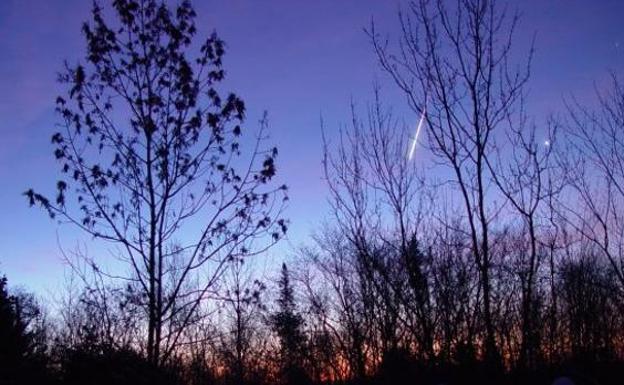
x=297 y=59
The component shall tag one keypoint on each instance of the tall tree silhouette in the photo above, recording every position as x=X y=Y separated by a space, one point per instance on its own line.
x=288 y=325
x=146 y=144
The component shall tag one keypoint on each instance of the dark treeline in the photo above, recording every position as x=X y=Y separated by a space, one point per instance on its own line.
x=499 y=259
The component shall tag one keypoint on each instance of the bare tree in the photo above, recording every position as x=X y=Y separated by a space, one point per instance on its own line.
x=378 y=197
x=523 y=176
x=594 y=162
x=242 y=307
x=338 y=303
x=588 y=306
x=454 y=60
x=455 y=292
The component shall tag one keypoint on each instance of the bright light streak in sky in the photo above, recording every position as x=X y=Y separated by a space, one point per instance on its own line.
x=420 y=123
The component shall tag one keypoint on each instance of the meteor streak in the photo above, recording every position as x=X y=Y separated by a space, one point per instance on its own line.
x=420 y=122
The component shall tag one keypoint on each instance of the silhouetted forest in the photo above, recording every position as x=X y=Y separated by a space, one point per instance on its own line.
x=502 y=262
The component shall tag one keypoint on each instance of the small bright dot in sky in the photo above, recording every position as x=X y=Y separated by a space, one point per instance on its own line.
x=547 y=143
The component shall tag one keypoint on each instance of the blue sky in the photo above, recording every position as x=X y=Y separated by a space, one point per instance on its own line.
x=296 y=59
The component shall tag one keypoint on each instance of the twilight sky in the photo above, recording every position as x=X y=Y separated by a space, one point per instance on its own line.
x=297 y=59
